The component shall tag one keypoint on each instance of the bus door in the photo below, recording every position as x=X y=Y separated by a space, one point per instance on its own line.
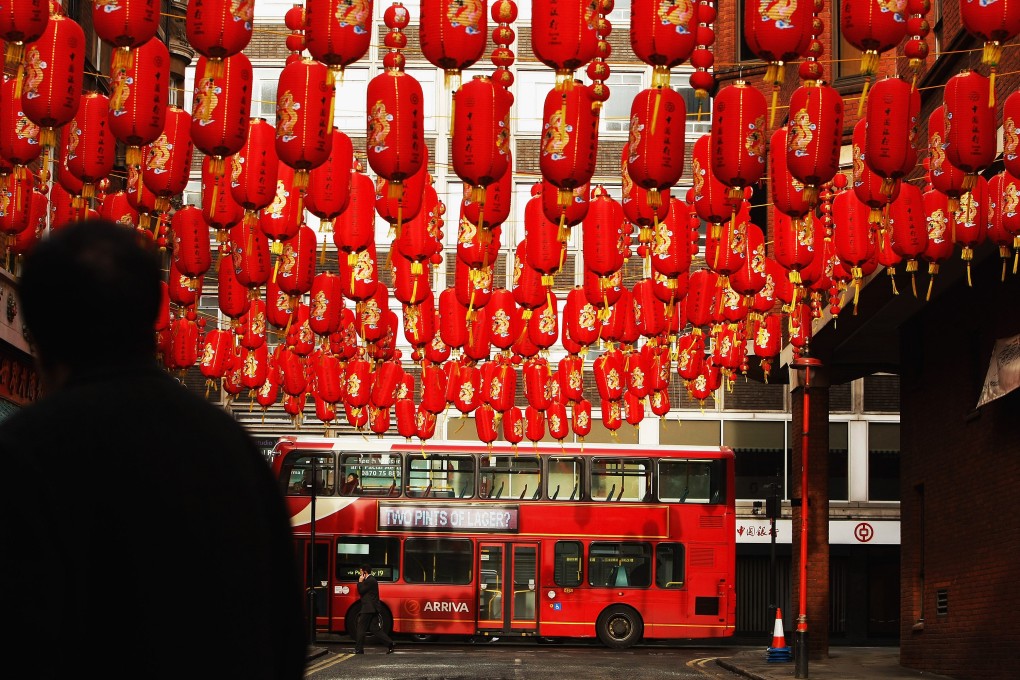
x=507 y=588
x=315 y=575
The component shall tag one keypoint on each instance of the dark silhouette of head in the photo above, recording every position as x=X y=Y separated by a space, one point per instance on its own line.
x=90 y=294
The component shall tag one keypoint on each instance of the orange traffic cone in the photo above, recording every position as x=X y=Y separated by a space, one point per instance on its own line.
x=778 y=651
x=778 y=639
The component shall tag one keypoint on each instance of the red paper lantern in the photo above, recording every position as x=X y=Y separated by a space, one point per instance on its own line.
x=969 y=124
x=494 y=209
x=354 y=229
x=569 y=42
x=221 y=105
x=219 y=208
x=711 y=197
x=191 y=253
x=570 y=135
x=526 y=281
x=16 y=202
x=1011 y=134
x=372 y=324
x=815 y=136
x=138 y=98
x=409 y=286
x=908 y=225
x=946 y=177
x=359 y=272
x=255 y=367
x=485 y=424
x=544 y=249
x=580 y=418
x=304 y=117
x=22 y=23
x=453 y=33
x=329 y=185
x=27 y=238
x=183 y=343
x=296 y=267
x=477 y=248
x=569 y=215
x=281 y=219
x=481 y=123
x=468 y=387
x=396 y=145
x=993 y=22
x=19 y=136
x=54 y=70
x=90 y=152
x=609 y=375
x=872 y=27
x=217 y=350
x=232 y=297
x=167 y=159
x=636 y=205
x=794 y=243
x=750 y=277
x=725 y=251
x=126 y=26
x=420 y=322
x=778 y=33
x=602 y=234
x=254 y=169
x=338 y=33
x=852 y=234
x=869 y=187
x=116 y=208
x=663 y=34
x=534 y=428
x=658 y=120
x=670 y=253
x=738 y=138
x=513 y=425
x=219 y=29
x=250 y=255
x=893 y=110
x=788 y=196
x=543 y=326
x=971 y=220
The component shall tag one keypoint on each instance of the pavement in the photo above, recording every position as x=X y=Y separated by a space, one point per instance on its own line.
x=843 y=663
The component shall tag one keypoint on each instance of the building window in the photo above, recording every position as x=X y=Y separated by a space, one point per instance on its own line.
x=744 y=51
x=847 y=60
x=883 y=461
x=839 y=462
x=615 y=116
x=759 y=451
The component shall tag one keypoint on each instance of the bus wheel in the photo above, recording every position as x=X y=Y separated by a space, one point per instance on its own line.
x=619 y=627
x=421 y=637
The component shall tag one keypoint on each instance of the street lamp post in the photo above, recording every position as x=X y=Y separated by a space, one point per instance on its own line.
x=805 y=367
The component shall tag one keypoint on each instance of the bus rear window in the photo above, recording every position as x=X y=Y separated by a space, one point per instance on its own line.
x=438 y=560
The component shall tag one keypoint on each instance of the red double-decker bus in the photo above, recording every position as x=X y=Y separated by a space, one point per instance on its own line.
x=611 y=541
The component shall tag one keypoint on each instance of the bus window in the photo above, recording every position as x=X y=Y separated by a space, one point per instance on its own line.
x=691 y=481
x=440 y=476
x=564 y=481
x=617 y=565
x=438 y=560
x=382 y=552
x=299 y=471
x=669 y=565
x=567 y=563
x=378 y=474
x=620 y=479
x=509 y=477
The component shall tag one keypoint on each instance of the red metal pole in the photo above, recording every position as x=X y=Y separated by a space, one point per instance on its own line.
x=801 y=670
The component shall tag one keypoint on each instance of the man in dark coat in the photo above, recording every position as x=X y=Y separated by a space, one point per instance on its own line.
x=142 y=532
x=368 y=590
